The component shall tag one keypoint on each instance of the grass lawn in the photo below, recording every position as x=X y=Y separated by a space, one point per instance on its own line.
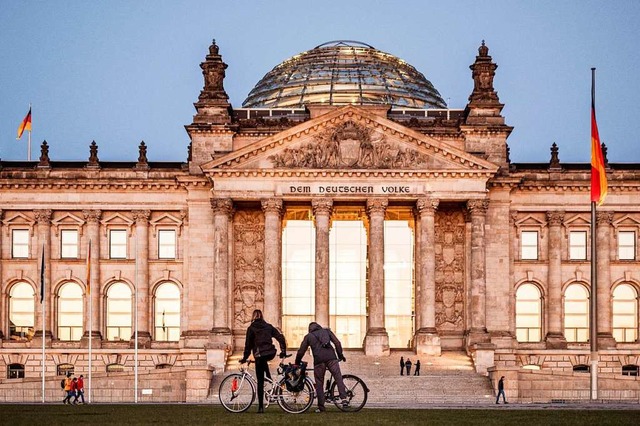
x=185 y=414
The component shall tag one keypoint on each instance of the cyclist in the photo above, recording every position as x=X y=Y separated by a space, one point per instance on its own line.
x=259 y=341
x=325 y=357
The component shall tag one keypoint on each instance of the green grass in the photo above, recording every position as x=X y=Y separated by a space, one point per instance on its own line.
x=186 y=414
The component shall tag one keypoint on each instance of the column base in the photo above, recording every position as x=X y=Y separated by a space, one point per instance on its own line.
x=195 y=338
x=96 y=340
x=475 y=336
x=144 y=340
x=219 y=347
x=555 y=341
x=427 y=342
x=606 y=341
x=483 y=355
x=376 y=342
x=36 y=341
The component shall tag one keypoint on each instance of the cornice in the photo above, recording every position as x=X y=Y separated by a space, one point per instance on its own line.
x=78 y=185
x=378 y=173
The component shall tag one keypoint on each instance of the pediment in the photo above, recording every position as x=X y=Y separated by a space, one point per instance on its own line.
x=346 y=139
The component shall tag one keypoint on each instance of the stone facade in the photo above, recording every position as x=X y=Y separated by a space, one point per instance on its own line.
x=226 y=207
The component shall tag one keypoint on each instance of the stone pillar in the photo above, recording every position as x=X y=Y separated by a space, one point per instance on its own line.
x=376 y=341
x=43 y=218
x=603 y=241
x=478 y=330
x=273 y=261
x=426 y=339
x=141 y=294
x=555 y=338
x=322 y=208
x=3 y=310
x=222 y=213
x=92 y=217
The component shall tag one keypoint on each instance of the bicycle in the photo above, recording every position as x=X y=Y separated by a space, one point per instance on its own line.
x=238 y=391
x=357 y=393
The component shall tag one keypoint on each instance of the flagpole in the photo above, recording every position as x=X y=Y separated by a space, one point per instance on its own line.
x=593 y=336
x=29 y=142
x=135 y=337
x=43 y=303
x=89 y=381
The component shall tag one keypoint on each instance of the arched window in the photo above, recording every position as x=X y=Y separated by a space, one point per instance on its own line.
x=119 y=312
x=64 y=369
x=576 y=313
x=625 y=313
x=21 y=312
x=15 y=371
x=581 y=368
x=167 y=312
x=528 y=313
x=70 y=312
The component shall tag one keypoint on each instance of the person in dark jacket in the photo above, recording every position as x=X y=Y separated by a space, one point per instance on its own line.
x=501 y=391
x=417 y=368
x=259 y=341
x=325 y=357
x=402 y=366
x=407 y=365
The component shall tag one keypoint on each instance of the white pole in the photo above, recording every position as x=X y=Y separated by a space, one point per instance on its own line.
x=43 y=302
x=135 y=357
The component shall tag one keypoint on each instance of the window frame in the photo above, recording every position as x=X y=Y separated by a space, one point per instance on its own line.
x=576 y=330
x=14 y=246
x=113 y=248
x=629 y=334
x=13 y=299
x=174 y=245
x=573 y=247
x=539 y=316
x=15 y=370
x=523 y=246
x=633 y=247
x=124 y=332
x=75 y=246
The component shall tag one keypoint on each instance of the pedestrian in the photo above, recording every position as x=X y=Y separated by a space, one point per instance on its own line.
x=68 y=383
x=325 y=357
x=407 y=365
x=501 y=391
x=417 y=372
x=80 y=390
x=74 y=391
x=402 y=366
x=259 y=341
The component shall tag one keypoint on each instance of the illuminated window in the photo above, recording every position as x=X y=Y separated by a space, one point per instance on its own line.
x=69 y=244
x=167 y=312
x=626 y=245
x=119 y=312
x=118 y=244
x=576 y=313
x=70 y=312
x=21 y=312
x=529 y=245
x=625 y=313
x=115 y=368
x=528 y=313
x=64 y=369
x=15 y=371
x=577 y=245
x=20 y=243
x=166 y=244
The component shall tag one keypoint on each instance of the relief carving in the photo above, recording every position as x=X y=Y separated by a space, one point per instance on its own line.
x=350 y=146
x=248 y=266
x=450 y=268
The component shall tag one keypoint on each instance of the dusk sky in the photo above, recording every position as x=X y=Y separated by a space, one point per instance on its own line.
x=119 y=72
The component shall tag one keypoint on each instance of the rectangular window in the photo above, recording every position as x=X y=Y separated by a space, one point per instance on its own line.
x=118 y=244
x=626 y=245
x=69 y=244
x=578 y=245
x=20 y=244
x=166 y=244
x=529 y=244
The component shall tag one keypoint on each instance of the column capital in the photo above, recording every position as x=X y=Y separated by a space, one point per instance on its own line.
x=43 y=217
x=272 y=205
x=377 y=205
x=477 y=207
x=427 y=205
x=555 y=217
x=322 y=206
x=141 y=216
x=92 y=216
x=222 y=206
x=604 y=218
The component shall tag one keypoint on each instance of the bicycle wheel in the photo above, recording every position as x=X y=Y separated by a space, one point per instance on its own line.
x=236 y=393
x=296 y=402
x=357 y=393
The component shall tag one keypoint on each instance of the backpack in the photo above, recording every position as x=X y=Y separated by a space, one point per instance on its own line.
x=325 y=342
x=62 y=383
x=294 y=376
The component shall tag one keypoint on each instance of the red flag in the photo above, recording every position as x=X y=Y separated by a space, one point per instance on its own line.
x=25 y=125
x=598 y=174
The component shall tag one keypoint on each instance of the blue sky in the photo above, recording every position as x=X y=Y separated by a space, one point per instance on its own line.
x=119 y=72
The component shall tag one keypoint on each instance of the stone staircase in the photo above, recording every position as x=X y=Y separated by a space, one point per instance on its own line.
x=446 y=380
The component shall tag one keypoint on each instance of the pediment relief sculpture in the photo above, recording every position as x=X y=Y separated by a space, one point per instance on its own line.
x=350 y=146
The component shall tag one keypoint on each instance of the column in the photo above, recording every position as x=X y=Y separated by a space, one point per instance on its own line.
x=478 y=330
x=3 y=310
x=555 y=338
x=43 y=219
x=322 y=208
x=603 y=242
x=273 y=261
x=376 y=341
x=141 y=294
x=92 y=217
x=427 y=340
x=222 y=213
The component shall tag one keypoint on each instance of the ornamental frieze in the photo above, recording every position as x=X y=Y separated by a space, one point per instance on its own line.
x=450 y=269
x=350 y=146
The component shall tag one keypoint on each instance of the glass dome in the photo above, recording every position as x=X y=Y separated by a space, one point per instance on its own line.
x=342 y=73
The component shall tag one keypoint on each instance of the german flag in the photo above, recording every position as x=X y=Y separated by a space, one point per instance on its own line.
x=598 y=174
x=25 y=125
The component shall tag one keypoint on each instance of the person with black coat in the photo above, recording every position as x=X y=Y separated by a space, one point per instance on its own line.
x=325 y=357
x=407 y=365
x=259 y=341
x=402 y=366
